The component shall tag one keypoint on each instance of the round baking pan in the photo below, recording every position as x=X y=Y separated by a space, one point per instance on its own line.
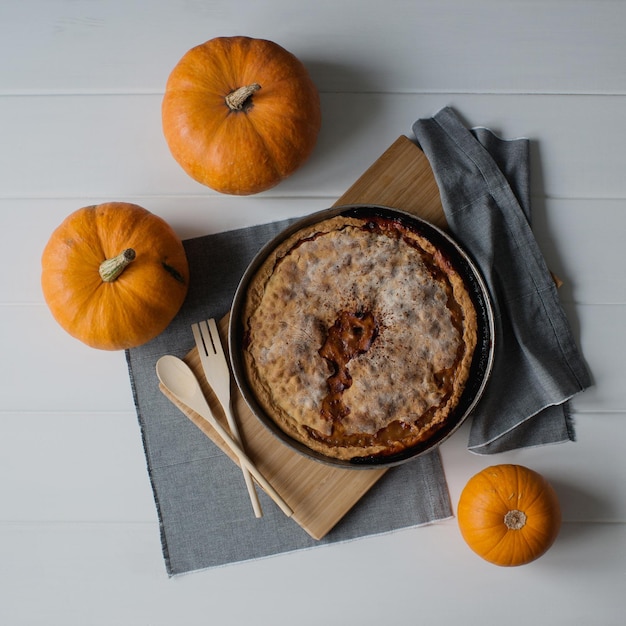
x=483 y=355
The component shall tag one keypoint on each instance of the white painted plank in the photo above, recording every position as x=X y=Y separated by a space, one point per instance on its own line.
x=112 y=146
x=90 y=467
x=87 y=467
x=71 y=376
x=583 y=243
x=581 y=239
x=26 y=224
x=586 y=474
x=102 y=574
x=555 y=46
x=50 y=370
x=602 y=340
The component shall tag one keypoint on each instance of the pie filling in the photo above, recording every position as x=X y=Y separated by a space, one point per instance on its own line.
x=359 y=337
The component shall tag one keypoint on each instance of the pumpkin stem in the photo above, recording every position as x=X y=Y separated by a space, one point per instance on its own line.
x=110 y=269
x=515 y=520
x=237 y=99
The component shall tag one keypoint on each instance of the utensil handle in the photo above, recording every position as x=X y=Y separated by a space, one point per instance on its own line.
x=234 y=429
x=249 y=465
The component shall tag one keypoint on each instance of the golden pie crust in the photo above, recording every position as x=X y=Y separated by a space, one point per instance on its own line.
x=358 y=337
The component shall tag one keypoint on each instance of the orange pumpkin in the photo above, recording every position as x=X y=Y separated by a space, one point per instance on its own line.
x=509 y=514
x=240 y=114
x=114 y=275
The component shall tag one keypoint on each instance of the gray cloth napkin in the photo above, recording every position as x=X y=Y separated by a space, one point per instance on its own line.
x=205 y=515
x=204 y=512
x=485 y=191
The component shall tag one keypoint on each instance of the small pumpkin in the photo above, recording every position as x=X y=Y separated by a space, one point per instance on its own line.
x=114 y=275
x=240 y=114
x=509 y=514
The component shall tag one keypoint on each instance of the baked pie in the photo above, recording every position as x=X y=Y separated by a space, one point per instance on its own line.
x=358 y=336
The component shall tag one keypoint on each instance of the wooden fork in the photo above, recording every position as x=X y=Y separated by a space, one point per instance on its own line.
x=217 y=373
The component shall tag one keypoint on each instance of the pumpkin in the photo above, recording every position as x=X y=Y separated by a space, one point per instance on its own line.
x=509 y=514
x=240 y=114
x=114 y=275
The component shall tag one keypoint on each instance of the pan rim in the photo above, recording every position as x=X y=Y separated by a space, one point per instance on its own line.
x=482 y=363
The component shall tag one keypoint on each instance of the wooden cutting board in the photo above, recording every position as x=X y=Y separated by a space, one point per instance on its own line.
x=320 y=495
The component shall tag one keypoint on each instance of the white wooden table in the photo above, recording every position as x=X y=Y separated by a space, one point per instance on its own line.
x=80 y=90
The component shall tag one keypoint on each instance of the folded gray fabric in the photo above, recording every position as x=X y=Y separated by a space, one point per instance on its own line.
x=484 y=185
x=204 y=511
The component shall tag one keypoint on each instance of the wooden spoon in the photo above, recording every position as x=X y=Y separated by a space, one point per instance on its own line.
x=182 y=383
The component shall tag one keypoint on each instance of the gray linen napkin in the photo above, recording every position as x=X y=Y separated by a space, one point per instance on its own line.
x=484 y=185
x=205 y=515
